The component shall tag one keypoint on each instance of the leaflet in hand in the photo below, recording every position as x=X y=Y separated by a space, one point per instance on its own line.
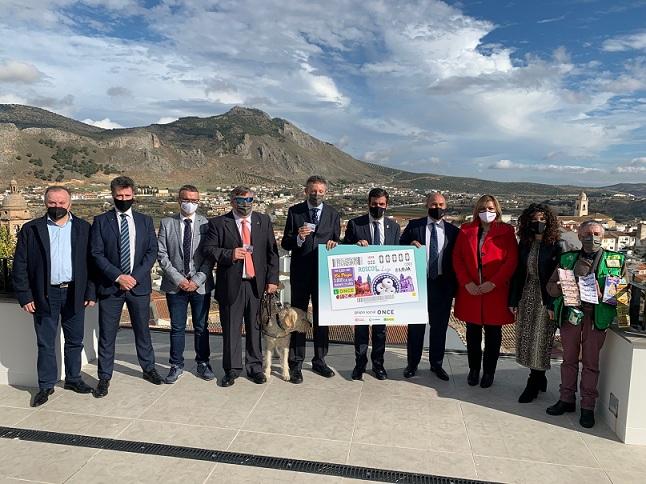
x=569 y=288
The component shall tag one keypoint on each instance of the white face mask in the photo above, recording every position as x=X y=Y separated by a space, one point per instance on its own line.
x=189 y=208
x=487 y=217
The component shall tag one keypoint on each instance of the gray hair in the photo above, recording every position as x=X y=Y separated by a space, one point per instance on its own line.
x=430 y=195
x=240 y=190
x=589 y=223
x=56 y=188
x=316 y=179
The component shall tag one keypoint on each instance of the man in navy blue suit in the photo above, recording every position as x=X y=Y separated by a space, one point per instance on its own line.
x=124 y=249
x=372 y=229
x=50 y=278
x=439 y=238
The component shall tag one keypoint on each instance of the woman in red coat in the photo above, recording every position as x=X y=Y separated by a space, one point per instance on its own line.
x=485 y=258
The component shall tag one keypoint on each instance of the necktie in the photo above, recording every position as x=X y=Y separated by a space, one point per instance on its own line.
x=124 y=255
x=186 y=245
x=433 y=254
x=315 y=216
x=376 y=236
x=246 y=240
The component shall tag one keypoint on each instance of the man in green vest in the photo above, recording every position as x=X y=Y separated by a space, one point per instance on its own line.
x=583 y=327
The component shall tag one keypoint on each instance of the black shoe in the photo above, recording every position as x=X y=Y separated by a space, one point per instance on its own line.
x=101 y=389
x=409 y=372
x=258 y=378
x=325 y=371
x=357 y=373
x=78 y=387
x=440 y=373
x=296 y=376
x=474 y=377
x=380 y=372
x=587 y=418
x=529 y=393
x=560 y=407
x=487 y=380
x=153 y=377
x=228 y=380
x=41 y=397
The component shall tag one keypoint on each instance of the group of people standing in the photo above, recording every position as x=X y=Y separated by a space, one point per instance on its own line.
x=63 y=265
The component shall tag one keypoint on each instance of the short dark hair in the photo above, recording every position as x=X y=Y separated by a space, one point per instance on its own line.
x=56 y=188
x=188 y=188
x=240 y=190
x=122 y=182
x=316 y=179
x=378 y=193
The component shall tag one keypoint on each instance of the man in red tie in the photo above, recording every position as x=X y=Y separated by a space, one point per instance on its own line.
x=243 y=246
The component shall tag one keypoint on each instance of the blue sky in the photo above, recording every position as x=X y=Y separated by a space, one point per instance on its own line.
x=548 y=91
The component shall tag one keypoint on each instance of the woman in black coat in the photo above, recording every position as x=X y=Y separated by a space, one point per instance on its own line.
x=539 y=253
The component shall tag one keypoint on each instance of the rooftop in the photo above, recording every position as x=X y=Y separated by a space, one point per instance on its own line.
x=423 y=426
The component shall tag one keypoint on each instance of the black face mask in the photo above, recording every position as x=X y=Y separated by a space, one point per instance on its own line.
x=436 y=213
x=123 y=205
x=377 y=212
x=56 y=213
x=537 y=227
x=315 y=199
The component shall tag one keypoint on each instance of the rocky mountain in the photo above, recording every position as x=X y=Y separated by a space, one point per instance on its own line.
x=243 y=145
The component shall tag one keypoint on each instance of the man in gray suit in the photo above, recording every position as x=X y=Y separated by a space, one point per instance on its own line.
x=187 y=279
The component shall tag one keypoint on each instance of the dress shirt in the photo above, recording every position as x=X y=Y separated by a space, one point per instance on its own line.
x=132 y=233
x=182 y=225
x=299 y=241
x=238 y=220
x=382 y=228
x=60 y=251
x=441 y=240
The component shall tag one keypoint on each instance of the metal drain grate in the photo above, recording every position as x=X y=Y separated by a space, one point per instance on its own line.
x=285 y=464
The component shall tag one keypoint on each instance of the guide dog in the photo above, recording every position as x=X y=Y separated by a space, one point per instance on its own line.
x=278 y=322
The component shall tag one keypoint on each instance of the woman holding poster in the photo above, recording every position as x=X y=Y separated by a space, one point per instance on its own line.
x=484 y=258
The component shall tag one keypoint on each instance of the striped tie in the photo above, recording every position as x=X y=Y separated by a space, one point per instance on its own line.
x=125 y=245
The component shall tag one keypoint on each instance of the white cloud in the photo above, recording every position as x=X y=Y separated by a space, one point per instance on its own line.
x=625 y=42
x=575 y=169
x=166 y=120
x=19 y=72
x=635 y=166
x=105 y=123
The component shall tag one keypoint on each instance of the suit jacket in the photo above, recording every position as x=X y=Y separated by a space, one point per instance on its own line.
x=171 y=255
x=499 y=257
x=359 y=229
x=32 y=264
x=223 y=236
x=416 y=230
x=304 y=260
x=105 y=242
x=548 y=260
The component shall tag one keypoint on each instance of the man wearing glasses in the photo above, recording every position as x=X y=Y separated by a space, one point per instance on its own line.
x=243 y=245
x=187 y=280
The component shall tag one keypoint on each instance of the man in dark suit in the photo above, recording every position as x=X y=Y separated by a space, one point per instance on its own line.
x=309 y=224
x=243 y=245
x=372 y=229
x=124 y=249
x=50 y=278
x=187 y=280
x=439 y=238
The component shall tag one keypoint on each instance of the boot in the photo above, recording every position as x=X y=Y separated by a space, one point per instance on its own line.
x=536 y=382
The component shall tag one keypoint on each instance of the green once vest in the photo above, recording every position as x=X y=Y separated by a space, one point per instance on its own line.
x=604 y=314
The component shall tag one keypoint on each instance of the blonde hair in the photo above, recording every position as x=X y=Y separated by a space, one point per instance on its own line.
x=480 y=205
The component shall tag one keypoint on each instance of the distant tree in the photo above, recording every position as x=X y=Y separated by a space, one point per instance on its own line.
x=18 y=157
x=7 y=242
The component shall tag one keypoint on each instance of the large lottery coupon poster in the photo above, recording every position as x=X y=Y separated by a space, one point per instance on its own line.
x=372 y=285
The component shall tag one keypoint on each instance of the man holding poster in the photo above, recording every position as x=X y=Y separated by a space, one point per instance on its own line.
x=372 y=229
x=438 y=239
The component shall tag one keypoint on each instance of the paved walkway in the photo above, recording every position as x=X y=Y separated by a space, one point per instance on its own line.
x=423 y=425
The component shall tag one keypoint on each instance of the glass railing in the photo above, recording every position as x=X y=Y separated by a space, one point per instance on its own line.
x=5 y=275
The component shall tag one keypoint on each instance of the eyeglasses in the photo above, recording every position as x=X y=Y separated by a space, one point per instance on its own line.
x=243 y=199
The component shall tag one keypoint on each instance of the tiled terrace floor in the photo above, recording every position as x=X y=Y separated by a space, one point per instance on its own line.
x=420 y=425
